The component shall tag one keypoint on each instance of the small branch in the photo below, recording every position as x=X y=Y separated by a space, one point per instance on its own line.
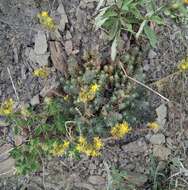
x=141 y=84
x=13 y=84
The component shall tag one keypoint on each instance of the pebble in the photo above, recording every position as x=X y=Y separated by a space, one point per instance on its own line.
x=35 y=100
x=136 y=147
x=137 y=179
x=40 y=43
x=157 y=139
x=161 y=152
x=96 y=180
x=152 y=54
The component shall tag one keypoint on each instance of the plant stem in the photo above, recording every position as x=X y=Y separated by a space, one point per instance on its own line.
x=141 y=84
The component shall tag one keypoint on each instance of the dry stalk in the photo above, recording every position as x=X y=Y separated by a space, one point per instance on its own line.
x=141 y=84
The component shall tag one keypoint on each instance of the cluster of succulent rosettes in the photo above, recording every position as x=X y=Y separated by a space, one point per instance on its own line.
x=101 y=97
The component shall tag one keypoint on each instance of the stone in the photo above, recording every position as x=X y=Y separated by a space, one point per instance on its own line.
x=40 y=43
x=3 y=122
x=136 y=147
x=50 y=86
x=136 y=179
x=64 y=19
x=161 y=115
x=35 y=100
x=152 y=54
x=157 y=139
x=96 y=180
x=68 y=35
x=41 y=59
x=161 y=152
x=7 y=166
x=4 y=151
x=68 y=47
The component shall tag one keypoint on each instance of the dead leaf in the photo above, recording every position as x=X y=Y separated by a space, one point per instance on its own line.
x=58 y=57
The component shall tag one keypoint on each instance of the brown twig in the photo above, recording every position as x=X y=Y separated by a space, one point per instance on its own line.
x=141 y=84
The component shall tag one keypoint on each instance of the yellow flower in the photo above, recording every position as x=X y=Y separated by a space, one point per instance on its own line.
x=89 y=149
x=153 y=125
x=97 y=143
x=66 y=144
x=46 y=20
x=86 y=96
x=95 y=153
x=82 y=140
x=183 y=66
x=89 y=94
x=120 y=130
x=7 y=107
x=66 y=97
x=94 y=88
x=41 y=72
x=44 y=14
x=59 y=149
x=186 y=1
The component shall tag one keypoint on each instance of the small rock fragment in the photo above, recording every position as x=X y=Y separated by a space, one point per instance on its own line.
x=152 y=54
x=58 y=56
x=161 y=115
x=3 y=122
x=4 y=151
x=68 y=35
x=157 y=139
x=41 y=59
x=161 y=152
x=96 y=180
x=7 y=167
x=68 y=47
x=35 y=100
x=64 y=19
x=136 y=147
x=40 y=43
x=49 y=87
x=137 y=179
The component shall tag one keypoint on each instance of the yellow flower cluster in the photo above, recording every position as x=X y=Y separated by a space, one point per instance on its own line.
x=41 y=72
x=89 y=149
x=89 y=94
x=153 y=125
x=7 y=107
x=183 y=66
x=59 y=149
x=120 y=130
x=46 y=20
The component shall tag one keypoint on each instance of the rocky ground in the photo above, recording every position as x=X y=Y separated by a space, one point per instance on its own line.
x=25 y=46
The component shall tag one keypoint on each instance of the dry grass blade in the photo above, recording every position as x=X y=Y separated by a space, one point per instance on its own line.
x=145 y=86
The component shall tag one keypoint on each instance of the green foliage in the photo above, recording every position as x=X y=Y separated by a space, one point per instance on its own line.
x=132 y=16
x=177 y=10
x=115 y=100
x=39 y=127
